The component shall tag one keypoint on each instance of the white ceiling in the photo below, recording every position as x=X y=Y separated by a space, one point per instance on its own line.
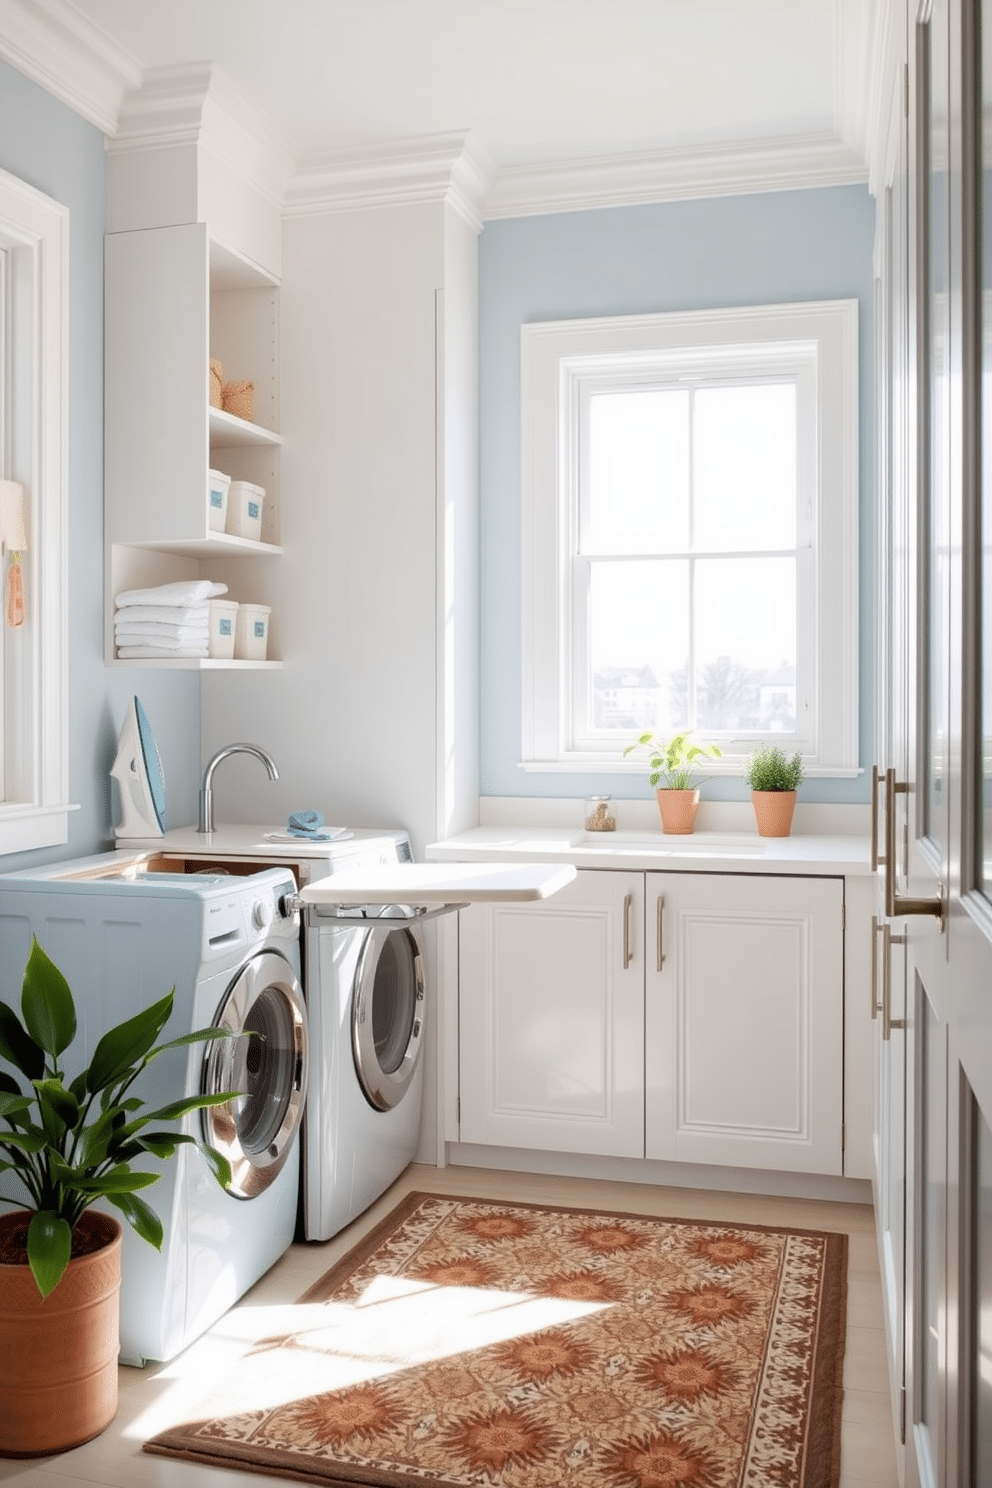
x=536 y=81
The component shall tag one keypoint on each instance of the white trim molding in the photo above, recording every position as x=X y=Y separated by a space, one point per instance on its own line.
x=34 y=231
x=788 y=164
x=819 y=341
x=453 y=167
x=61 y=50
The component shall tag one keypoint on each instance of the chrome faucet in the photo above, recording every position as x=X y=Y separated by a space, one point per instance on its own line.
x=206 y=822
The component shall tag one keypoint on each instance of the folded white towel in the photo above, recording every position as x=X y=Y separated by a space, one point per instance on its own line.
x=167 y=634
x=184 y=592
x=187 y=648
x=170 y=614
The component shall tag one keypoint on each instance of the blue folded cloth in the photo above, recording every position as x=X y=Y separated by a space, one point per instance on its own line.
x=307 y=824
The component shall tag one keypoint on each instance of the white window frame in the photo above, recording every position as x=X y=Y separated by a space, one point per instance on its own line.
x=560 y=361
x=34 y=236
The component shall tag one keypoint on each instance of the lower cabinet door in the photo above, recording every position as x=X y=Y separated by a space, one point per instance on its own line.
x=551 y=1019
x=744 y=1021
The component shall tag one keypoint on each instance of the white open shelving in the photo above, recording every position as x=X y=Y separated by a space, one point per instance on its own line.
x=175 y=300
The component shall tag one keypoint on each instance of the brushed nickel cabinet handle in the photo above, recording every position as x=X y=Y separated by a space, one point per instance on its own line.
x=628 y=954
x=659 y=920
x=877 y=928
x=897 y=904
x=877 y=858
x=888 y=1022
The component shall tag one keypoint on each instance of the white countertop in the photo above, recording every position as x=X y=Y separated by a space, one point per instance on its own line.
x=256 y=841
x=427 y=883
x=699 y=852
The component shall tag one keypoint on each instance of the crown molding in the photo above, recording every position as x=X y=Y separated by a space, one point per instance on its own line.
x=62 y=51
x=454 y=168
x=198 y=104
x=871 y=47
x=673 y=175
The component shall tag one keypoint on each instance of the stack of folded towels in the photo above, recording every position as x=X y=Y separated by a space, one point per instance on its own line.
x=171 y=620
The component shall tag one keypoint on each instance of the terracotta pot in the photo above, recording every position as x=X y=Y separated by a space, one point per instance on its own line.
x=58 y=1360
x=773 y=812
x=678 y=810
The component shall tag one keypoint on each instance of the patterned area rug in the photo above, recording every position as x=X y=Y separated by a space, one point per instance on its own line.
x=468 y=1344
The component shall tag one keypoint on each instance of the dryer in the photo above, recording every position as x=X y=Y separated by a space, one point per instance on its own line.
x=368 y=995
x=123 y=933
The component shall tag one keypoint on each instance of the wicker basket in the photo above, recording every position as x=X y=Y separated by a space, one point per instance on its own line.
x=239 y=398
x=216 y=384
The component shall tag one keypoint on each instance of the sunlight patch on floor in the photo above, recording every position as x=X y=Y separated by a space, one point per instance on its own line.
x=396 y=1324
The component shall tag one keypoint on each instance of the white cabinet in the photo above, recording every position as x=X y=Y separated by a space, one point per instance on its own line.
x=694 y=1017
x=552 y=1019
x=174 y=300
x=744 y=1021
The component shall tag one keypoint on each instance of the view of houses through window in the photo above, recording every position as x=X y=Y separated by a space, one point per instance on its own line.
x=687 y=551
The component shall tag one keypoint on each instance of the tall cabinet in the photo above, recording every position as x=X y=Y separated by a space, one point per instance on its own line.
x=933 y=1003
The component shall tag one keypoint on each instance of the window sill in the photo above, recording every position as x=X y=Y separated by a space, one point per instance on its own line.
x=26 y=828
x=709 y=769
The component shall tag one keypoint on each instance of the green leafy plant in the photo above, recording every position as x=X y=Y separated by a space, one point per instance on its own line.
x=674 y=762
x=72 y=1144
x=770 y=769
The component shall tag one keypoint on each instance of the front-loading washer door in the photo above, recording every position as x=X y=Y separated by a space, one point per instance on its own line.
x=268 y=1067
x=387 y=1014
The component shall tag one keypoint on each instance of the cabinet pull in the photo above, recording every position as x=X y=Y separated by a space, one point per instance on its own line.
x=897 y=904
x=888 y=1022
x=628 y=954
x=877 y=859
x=659 y=919
x=877 y=928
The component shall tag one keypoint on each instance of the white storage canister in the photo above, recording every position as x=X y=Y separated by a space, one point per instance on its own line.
x=244 y=509
x=218 y=486
x=223 y=624
x=251 y=641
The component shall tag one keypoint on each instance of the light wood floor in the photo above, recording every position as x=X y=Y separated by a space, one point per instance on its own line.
x=156 y=1396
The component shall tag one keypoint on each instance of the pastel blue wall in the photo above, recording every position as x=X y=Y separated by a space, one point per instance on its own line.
x=746 y=250
x=49 y=146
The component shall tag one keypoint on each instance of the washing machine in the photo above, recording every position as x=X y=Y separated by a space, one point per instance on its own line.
x=124 y=933
x=367 y=994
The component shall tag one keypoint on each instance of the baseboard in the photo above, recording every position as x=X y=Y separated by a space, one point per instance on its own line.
x=768 y=1182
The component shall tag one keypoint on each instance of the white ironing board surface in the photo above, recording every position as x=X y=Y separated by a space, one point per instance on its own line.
x=440 y=883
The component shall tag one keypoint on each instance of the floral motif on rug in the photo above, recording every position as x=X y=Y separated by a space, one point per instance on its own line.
x=471 y=1344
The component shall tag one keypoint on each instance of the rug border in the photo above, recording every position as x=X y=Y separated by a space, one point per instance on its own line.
x=822 y=1462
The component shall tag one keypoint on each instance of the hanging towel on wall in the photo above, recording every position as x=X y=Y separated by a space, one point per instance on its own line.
x=14 y=539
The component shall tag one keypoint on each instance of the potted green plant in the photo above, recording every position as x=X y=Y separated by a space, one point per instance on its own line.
x=773 y=778
x=674 y=764
x=71 y=1142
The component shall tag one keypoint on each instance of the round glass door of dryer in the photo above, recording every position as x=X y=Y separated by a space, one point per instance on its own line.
x=268 y=1067
x=387 y=1014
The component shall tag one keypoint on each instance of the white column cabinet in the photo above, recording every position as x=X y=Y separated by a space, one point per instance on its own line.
x=551 y=1017
x=744 y=1027
x=696 y=1018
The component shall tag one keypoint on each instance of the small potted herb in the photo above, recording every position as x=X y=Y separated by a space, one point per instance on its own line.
x=673 y=774
x=773 y=778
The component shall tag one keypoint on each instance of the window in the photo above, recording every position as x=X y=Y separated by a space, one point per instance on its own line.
x=690 y=506
x=34 y=271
